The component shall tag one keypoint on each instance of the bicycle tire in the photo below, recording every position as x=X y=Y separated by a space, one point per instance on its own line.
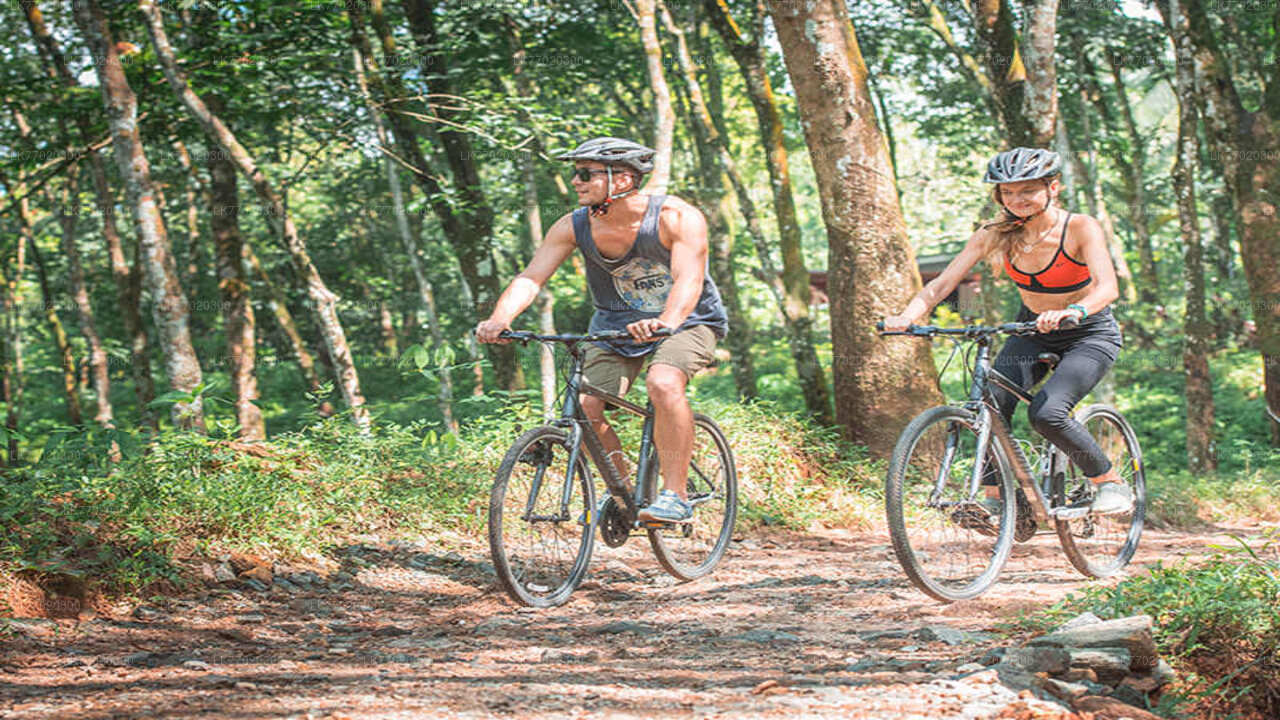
x=689 y=557
x=525 y=583
x=912 y=557
x=1105 y=539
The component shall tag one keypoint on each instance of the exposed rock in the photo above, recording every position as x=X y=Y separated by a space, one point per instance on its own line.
x=1110 y=664
x=1132 y=633
x=1106 y=708
x=1039 y=659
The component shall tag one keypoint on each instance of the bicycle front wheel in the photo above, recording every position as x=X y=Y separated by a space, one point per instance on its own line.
x=1102 y=545
x=690 y=550
x=540 y=548
x=949 y=545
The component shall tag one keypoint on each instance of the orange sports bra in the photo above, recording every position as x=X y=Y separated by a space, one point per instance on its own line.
x=1063 y=274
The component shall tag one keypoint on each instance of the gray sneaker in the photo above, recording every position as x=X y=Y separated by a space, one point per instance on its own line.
x=1112 y=498
x=669 y=507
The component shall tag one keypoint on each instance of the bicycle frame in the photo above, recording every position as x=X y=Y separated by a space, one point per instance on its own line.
x=991 y=423
x=582 y=434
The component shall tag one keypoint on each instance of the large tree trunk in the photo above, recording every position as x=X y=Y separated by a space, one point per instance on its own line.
x=426 y=293
x=127 y=298
x=170 y=312
x=468 y=231
x=323 y=300
x=664 y=116
x=1201 y=453
x=1251 y=173
x=879 y=384
x=795 y=276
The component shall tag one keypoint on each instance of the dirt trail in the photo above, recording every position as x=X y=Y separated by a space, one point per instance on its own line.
x=412 y=632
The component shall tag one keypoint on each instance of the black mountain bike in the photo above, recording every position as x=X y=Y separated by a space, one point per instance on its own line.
x=543 y=512
x=950 y=544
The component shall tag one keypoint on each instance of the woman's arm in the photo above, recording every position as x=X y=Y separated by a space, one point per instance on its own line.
x=937 y=289
x=1093 y=247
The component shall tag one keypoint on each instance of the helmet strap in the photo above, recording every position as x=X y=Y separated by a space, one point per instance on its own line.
x=602 y=208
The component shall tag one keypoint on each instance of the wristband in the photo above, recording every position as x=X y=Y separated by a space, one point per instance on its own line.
x=1077 y=306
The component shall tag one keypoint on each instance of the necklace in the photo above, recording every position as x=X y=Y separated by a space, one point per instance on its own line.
x=1028 y=247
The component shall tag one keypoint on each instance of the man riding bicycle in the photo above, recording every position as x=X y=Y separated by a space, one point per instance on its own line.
x=646 y=265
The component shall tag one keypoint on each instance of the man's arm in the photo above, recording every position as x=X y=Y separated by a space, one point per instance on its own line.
x=556 y=247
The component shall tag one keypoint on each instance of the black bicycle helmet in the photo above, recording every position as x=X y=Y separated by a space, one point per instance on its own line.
x=613 y=152
x=1021 y=164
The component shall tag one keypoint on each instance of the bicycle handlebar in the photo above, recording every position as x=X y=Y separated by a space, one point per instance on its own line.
x=523 y=336
x=973 y=331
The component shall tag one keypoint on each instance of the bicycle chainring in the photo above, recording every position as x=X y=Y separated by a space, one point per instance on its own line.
x=614 y=526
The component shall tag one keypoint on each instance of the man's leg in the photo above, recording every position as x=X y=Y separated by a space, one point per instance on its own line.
x=672 y=426
x=612 y=373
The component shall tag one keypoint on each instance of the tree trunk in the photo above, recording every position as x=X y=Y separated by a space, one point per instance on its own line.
x=711 y=196
x=75 y=416
x=426 y=293
x=1132 y=169
x=1201 y=452
x=879 y=384
x=1252 y=140
x=191 y=268
x=233 y=289
x=664 y=116
x=139 y=345
x=170 y=312
x=323 y=300
x=469 y=233
x=68 y=216
x=13 y=375
x=795 y=276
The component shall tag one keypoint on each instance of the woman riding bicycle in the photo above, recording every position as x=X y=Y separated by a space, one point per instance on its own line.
x=1034 y=233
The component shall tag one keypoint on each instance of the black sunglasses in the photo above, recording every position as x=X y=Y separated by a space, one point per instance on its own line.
x=584 y=174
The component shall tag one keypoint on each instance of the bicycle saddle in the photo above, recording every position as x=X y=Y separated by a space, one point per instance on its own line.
x=1050 y=359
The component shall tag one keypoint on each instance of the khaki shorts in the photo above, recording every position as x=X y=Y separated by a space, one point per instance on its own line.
x=691 y=350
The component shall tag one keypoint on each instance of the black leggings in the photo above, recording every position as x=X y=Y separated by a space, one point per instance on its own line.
x=1088 y=352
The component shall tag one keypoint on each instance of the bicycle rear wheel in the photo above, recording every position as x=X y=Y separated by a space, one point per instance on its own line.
x=540 y=554
x=947 y=544
x=690 y=550
x=1102 y=545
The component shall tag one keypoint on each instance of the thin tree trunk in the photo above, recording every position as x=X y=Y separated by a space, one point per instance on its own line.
x=14 y=376
x=426 y=293
x=68 y=216
x=75 y=415
x=140 y=352
x=1201 y=452
x=279 y=306
x=170 y=312
x=715 y=201
x=664 y=115
x=233 y=288
x=191 y=269
x=1132 y=168
x=879 y=384
x=795 y=276
x=1021 y=70
x=469 y=234
x=323 y=300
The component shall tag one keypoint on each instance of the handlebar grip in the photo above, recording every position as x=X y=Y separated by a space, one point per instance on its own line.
x=1067 y=323
x=879 y=325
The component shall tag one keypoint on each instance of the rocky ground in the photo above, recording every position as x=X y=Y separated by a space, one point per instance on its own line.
x=808 y=626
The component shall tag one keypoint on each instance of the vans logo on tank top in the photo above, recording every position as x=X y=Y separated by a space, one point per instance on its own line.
x=643 y=284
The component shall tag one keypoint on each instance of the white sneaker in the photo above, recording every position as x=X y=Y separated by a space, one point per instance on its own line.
x=1112 y=498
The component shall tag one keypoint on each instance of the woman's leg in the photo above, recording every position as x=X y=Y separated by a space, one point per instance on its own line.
x=1080 y=369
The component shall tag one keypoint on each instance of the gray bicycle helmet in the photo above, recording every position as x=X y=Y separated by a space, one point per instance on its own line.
x=1021 y=164
x=613 y=151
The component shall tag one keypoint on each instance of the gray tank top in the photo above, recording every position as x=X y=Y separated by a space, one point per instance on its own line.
x=635 y=286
